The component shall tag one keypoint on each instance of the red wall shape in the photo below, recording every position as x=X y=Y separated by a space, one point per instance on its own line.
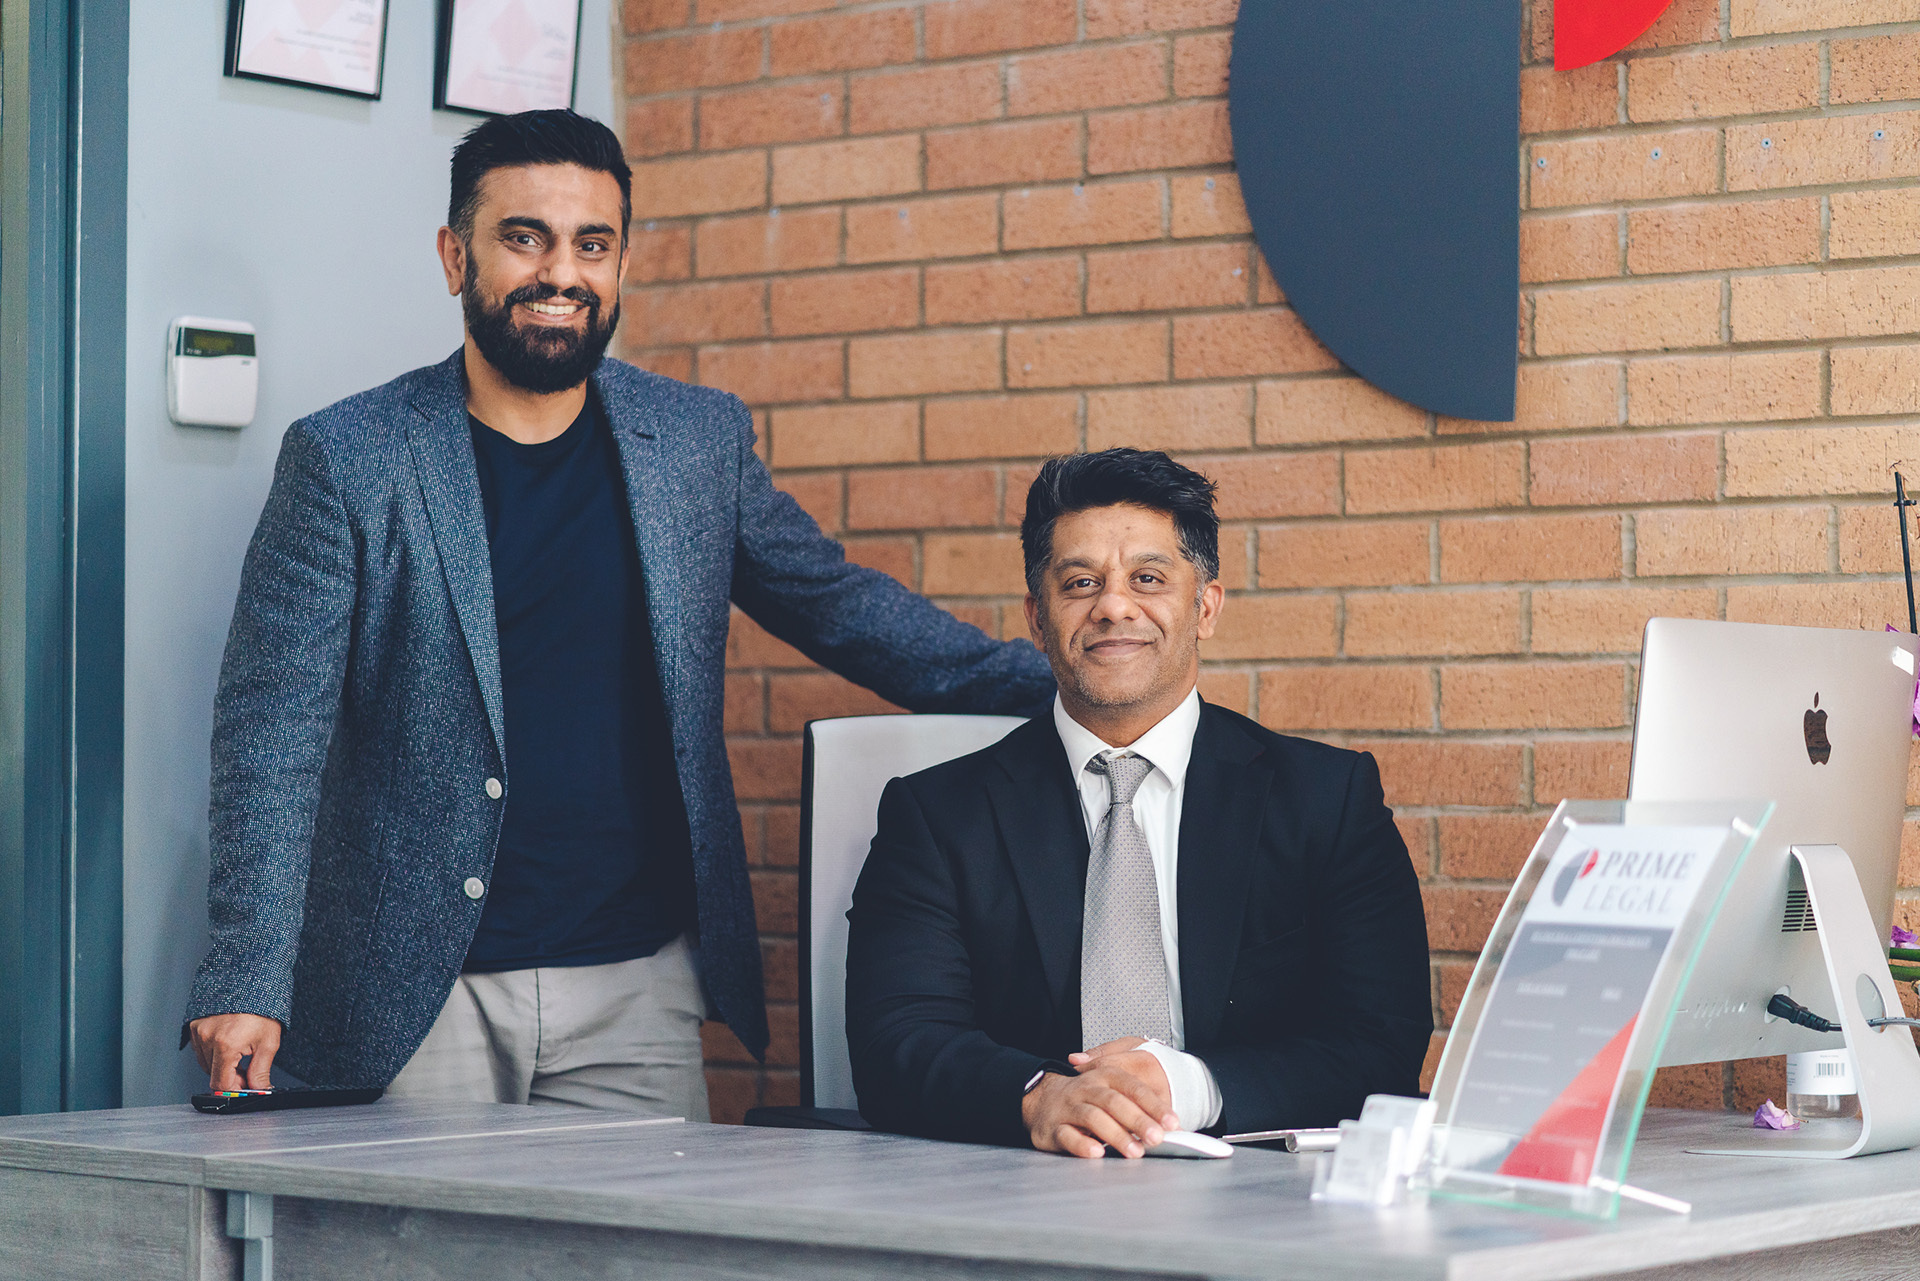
x=1586 y=31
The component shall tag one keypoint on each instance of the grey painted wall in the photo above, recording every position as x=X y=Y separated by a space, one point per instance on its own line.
x=312 y=216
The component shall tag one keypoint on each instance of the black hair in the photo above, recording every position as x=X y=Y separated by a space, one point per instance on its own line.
x=1143 y=477
x=553 y=137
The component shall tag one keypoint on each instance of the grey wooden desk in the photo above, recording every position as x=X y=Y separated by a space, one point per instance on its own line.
x=426 y=1192
x=124 y=1194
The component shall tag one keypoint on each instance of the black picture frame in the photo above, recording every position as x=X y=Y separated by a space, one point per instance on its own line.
x=236 y=18
x=443 y=53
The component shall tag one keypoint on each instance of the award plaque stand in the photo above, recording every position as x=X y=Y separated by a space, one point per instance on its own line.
x=1886 y=1064
x=1541 y=1087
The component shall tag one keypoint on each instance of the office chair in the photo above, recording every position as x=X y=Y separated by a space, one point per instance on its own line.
x=847 y=763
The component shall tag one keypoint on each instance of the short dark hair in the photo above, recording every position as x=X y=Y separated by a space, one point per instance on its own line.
x=553 y=137
x=1143 y=477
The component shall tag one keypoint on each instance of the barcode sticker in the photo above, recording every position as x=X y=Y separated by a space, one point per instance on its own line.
x=1820 y=1072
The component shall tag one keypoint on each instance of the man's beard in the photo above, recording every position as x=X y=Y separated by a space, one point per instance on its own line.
x=537 y=359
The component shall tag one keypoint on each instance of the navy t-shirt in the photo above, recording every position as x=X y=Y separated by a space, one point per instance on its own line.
x=594 y=863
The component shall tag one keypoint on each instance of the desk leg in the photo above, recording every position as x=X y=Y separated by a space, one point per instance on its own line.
x=250 y=1220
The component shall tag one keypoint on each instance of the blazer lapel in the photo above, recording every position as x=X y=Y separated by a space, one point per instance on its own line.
x=450 y=483
x=637 y=430
x=1039 y=817
x=1227 y=787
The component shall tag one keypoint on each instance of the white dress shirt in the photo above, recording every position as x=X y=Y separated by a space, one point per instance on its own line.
x=1156 y=808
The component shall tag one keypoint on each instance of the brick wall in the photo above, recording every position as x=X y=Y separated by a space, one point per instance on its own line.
x=933 y=241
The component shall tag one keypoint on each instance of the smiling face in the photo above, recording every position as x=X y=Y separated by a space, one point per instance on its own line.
x=1120 y=614
x=539 y=277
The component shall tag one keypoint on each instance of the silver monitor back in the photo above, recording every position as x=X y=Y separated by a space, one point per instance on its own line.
x=1727 y=712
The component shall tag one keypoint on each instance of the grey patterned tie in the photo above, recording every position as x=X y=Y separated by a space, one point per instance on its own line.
x=1123 y=967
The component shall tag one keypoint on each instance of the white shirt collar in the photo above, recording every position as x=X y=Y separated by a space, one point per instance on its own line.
x=1169 y=744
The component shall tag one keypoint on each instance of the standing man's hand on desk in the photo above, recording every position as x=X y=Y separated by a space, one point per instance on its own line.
x=1116 y=1103
x=220 y=1041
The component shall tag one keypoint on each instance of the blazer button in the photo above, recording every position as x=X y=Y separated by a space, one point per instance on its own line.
x=494 y=790
x=475 y=887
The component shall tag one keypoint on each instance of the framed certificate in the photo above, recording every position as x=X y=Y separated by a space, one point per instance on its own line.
x=496 y=57
x=336 y=45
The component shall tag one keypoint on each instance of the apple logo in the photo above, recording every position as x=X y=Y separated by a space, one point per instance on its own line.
x=1819 y=749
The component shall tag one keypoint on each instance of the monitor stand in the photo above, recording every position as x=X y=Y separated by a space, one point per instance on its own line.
x=1886 y=1064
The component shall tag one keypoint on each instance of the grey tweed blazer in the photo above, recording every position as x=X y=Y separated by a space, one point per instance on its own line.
x=358 y=721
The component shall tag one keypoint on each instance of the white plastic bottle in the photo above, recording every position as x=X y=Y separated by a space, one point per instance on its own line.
x=1821 y=1085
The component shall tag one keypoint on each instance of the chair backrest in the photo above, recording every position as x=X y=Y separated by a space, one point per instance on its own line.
x=848 y=763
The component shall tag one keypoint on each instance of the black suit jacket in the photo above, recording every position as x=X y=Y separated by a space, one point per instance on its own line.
x=1303 y=944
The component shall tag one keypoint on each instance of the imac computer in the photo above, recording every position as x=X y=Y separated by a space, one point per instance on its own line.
x=1817 y=721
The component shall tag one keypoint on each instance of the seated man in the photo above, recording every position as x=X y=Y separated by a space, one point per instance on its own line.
x=1142 y=912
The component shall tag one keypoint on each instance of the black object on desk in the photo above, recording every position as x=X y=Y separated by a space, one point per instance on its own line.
x=805 y=1118
x=225 y=1102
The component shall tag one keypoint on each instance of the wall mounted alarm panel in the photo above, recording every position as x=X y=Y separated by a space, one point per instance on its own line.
x=213 y=372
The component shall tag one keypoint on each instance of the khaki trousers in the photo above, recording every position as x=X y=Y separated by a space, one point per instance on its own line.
x=624 y=1037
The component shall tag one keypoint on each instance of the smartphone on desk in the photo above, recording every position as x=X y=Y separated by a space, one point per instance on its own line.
x=225 y=1102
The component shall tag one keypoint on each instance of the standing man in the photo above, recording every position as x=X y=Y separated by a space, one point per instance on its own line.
x=1143 y=912
x=473 y=828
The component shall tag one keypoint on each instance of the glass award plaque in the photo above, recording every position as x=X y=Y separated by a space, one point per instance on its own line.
x=1545 y=1074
